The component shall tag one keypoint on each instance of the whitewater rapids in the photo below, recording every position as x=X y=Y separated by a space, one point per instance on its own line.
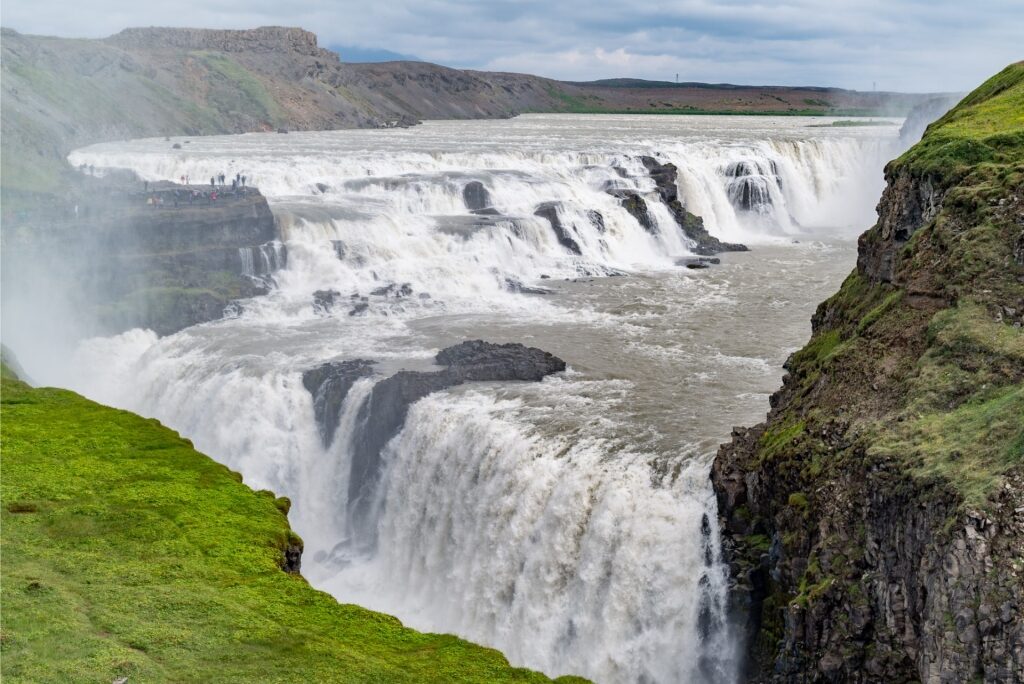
x=568 y=523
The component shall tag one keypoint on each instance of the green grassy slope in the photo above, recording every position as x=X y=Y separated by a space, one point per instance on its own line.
x=128 y=553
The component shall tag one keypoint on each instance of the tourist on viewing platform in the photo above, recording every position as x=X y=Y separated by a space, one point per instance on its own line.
x=213 y=181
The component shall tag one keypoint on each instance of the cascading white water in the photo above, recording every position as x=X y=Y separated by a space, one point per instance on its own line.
x=569 y=523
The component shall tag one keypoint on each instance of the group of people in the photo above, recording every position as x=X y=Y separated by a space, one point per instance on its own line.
x=237 y=182
x=191 y=195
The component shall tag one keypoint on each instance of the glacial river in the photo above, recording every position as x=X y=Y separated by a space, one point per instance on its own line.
x=569 y=523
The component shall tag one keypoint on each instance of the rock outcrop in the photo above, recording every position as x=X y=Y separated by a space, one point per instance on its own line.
x=329 y=384
x=382 y=415
x=665 y=179
x=874 y=523
x=549 y=211
x=164 y=259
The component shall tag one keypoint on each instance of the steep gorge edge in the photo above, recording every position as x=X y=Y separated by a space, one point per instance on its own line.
x=874 y=523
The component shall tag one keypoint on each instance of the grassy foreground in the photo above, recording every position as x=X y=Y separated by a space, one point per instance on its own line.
x=128 y=553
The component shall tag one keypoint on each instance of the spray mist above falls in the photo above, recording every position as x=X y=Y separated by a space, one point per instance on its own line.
x=567 y=520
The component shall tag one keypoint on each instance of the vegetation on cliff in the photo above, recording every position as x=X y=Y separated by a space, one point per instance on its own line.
x=875 y=518
x=126 y=553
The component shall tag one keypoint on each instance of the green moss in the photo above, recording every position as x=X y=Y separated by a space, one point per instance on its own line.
x=776 y=438
x=128 y=553
x=798 y=500
x=872 y=316
x=758 y=542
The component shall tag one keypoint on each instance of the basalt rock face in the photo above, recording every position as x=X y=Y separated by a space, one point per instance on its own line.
x=874 y=524
x=382 y=415
x=121 y=262
x=329 y=384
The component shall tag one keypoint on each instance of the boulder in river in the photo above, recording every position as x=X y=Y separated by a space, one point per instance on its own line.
x=324 y=301
x=476 y=197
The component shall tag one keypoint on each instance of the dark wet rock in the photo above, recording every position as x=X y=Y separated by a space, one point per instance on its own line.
x=475 y=196
x=339 y=249
x=393 y=290
x=749 y=185
x=383 y=414
x=514 y=285
x=282 y=130
x=665 y=177
x=549 y=211
x=597 y=220
x=633 y=203
x=324 y=301
x=358 y=309
x=329 y=384
x=698 y=262
x=479 y=360
x=322 y=187
x=291 y=562
x=176 y=146
x=488 y=211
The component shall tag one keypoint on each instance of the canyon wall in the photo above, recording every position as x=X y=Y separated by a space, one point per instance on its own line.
x=875 y=521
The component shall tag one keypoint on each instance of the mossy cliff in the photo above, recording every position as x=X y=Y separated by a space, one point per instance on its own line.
x=875 y=521
x=126 y=553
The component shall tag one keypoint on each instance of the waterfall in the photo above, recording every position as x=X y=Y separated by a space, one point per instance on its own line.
x=549 y=520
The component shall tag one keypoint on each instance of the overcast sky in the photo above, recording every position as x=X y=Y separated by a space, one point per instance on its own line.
x=910 y=45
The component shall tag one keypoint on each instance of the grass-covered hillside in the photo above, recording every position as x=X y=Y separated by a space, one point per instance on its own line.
x=872 y=515
x=126 y=553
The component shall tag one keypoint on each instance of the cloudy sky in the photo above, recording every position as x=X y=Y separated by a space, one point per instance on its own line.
x=910 y=45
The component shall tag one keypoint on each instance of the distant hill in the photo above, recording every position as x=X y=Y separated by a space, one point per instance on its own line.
x=361 y=55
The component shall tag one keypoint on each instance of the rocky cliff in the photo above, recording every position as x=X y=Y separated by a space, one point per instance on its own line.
x=875 y=521
x=119 y=256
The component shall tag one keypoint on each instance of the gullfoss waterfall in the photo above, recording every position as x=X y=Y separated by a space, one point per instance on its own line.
x=568 y=522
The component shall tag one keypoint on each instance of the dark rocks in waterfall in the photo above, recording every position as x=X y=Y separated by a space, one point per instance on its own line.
x=476 y=197
x=665 y=178
x=383 y=414
x=597 y=220
x=393 y=290
x=549 y=211
x=749 y=185
x=324 y=301
x=633 y=203
x=322 y=187
x=515 y=285
x=339 y=249
x=329 y=384
x=359 y=308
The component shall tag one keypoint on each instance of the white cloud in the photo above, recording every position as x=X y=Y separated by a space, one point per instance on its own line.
x=900 y=44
